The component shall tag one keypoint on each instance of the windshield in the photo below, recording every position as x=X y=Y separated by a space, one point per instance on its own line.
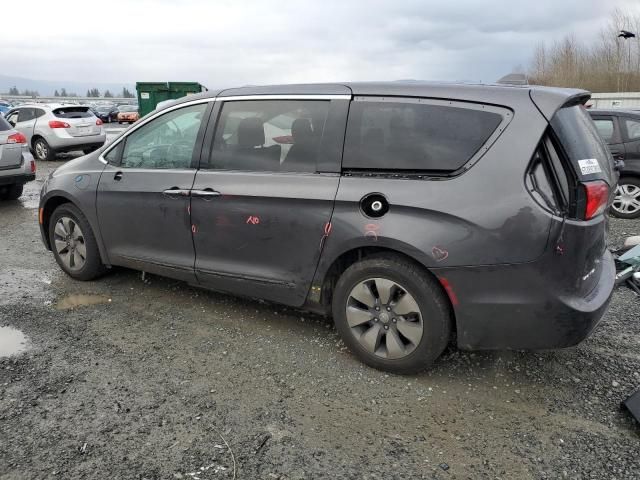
x=72 y=112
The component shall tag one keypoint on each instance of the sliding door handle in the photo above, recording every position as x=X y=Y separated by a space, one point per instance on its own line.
x=207 y=193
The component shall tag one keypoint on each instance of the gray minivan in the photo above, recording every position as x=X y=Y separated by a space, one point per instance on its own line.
x=413 y=213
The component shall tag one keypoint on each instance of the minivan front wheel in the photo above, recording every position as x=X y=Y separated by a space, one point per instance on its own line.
x=392 y=314
x=627 y=201
x=74 y=244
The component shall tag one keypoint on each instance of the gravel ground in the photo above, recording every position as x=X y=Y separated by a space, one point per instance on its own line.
x=152 y=379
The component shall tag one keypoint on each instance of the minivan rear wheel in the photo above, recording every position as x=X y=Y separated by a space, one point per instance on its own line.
x=627 y=201
x=73 y=243
x=392 y=314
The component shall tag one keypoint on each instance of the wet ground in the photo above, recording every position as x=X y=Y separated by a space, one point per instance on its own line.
x=131 y=378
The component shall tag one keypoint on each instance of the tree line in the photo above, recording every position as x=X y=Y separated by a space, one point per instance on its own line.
x=92 y=92
x=611 y=63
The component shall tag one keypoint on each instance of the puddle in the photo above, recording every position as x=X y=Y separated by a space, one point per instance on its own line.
x=80 y=300
x=12 y=341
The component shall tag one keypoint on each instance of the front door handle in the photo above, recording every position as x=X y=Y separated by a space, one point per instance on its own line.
x=175 y=192
x=118 y=176
x=207 y=193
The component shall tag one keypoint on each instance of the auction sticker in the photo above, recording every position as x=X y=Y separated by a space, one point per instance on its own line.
x=589 y=165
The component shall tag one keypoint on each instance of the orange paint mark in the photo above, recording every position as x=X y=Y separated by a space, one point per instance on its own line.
x=449 y=289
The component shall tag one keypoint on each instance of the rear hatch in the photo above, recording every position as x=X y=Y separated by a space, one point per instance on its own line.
x=81 y=120
x=10 y=151
x=588 y=183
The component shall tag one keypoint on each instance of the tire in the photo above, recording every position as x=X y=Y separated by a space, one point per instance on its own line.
x=42 y=150
x=434 y=316
x=627 y=201
x=89 y=268
x=11 y=192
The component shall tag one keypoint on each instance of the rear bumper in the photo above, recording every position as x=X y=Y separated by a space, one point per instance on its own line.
x=68 y=143
x=516 y=307
x=17 y=179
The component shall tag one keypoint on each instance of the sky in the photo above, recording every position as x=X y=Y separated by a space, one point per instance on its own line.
x=231 y=43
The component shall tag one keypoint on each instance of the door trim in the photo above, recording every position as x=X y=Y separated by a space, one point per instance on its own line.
x=235 y=276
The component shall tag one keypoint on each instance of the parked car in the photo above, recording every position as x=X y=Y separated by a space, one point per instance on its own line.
x=106 y=113
x=411 y=212
x=621 y=130
x=4 y=107
x=128 y=114
x=53 y=128
x=17 y=165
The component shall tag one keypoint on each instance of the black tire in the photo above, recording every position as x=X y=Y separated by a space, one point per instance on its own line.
x=634 y=184
x=11 y=192
x=42 y=150
x=434 y=308
x=93 y=267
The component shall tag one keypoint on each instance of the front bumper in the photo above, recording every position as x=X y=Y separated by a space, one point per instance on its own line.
x=515 y=307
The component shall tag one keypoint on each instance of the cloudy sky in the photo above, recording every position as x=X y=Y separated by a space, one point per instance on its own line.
x=222 y=43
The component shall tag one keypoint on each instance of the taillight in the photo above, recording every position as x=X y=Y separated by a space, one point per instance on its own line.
x=33 y=166
x=17 y=138
x=596 y=198
x=98 y=122
x=58 y=124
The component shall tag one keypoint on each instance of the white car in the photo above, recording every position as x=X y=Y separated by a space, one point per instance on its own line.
x=53 y=128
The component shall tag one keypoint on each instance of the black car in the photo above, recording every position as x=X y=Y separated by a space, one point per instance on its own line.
x=107 y=114
x=621 y=130
x=413 y=213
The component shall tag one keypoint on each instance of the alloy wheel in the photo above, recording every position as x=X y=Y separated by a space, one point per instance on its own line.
x=385 y=318
x=42 y=150
x=627 y=199
x=70 y=244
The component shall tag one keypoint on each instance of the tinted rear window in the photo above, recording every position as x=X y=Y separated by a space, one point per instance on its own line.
x=587 y=152
x=414 y=136
x=72 y=112
x=4 y=125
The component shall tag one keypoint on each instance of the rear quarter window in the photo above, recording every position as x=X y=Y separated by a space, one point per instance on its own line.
x=415 y=135
x=72 y=112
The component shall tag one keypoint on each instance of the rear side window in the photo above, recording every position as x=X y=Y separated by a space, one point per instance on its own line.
x=269 y=135
x=72 y=112
x=4 y=125
x=633 y=129
x=605 y=128
x=580 y=140
x=414 y=135
x=25 y=114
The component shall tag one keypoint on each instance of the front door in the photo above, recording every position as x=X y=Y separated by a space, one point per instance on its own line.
x=143 y=194
x=609 y=130
x=262 y=202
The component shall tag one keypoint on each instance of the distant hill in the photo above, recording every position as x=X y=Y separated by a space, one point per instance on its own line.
x=47 y=87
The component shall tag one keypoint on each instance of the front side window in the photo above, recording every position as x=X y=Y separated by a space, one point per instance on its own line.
x=633 y=129
x=165 y=142
x=414 y=136
x=605 y=128
x=269 y=135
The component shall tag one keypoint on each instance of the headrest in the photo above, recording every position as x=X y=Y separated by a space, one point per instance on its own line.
x=251 y=132
x=301 y=129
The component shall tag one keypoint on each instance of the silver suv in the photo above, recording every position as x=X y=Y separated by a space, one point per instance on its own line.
x=53 y=128
x=17 y=166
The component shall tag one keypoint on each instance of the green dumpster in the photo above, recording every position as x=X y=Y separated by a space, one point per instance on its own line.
x=152 y=93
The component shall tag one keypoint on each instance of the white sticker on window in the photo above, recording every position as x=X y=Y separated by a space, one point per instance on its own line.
x=589 y=165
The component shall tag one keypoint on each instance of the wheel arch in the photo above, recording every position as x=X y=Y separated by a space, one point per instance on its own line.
x=48 y=206
x=328 y=278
